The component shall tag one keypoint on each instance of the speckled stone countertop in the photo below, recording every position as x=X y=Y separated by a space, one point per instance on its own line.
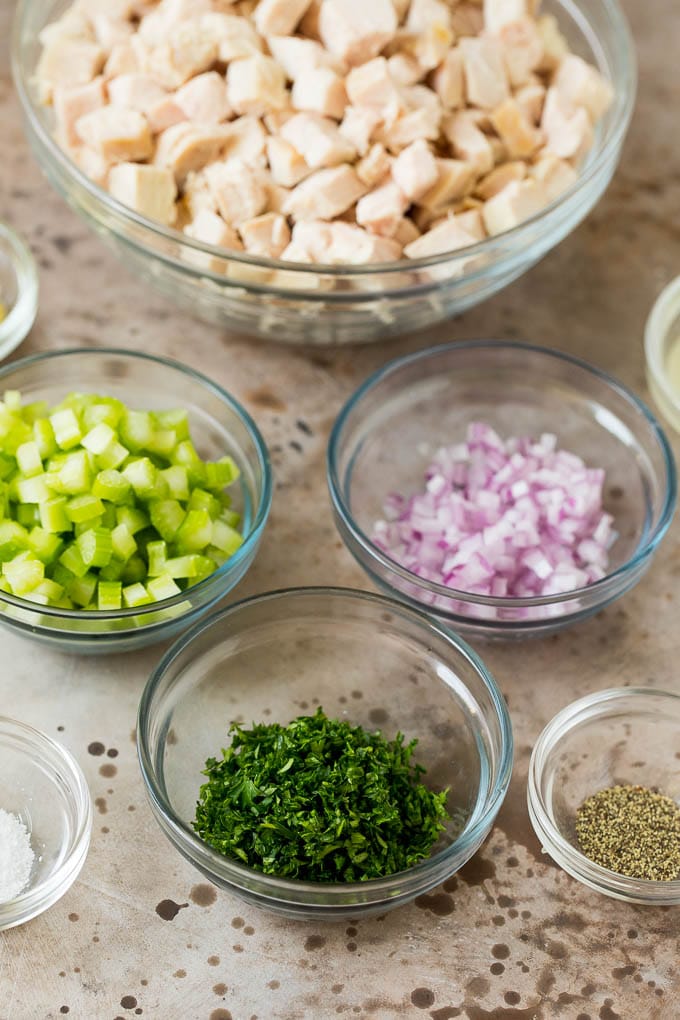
x=513 y=936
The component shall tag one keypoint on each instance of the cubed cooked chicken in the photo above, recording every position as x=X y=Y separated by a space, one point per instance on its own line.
x=323 y=131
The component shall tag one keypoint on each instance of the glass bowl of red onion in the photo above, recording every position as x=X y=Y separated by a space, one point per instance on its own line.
x=508 y=489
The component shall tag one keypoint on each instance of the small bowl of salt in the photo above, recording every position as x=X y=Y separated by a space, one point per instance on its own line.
x=45 y=822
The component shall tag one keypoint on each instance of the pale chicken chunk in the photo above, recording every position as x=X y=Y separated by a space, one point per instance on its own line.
x=256 y=85
x=92 y=164
x=447 y=236
x=197 y=196
x=522 y=49
x=339 y=243
x=415 y=170
x=499 y=13
x=406 y=232
x=160 y=19
x=210 y=228
x=431 y=25
x=554 y=175
x=405 y=69
x=297 y=55
x=421 y=118
x=150 y=190
x=204 y=98
x=448 y=80
x=122 y=59
x=135 y=92
x=531 y=98
x=454 y=180
x=287 y=166
x=356 y=30
x=189 y=49
x=66 y=62
x=382 y=210
x=518 y=134
x=568 y=130
x=318 y=140
x=70 y=104
x=245 y=139
x=372 y=85
x=517 y=202
x=116 y=134
x=486 y=79
x=111 y=32
x=499 y=177
x=554 y=44
x=582 y=84
x=469 y=143
x=374 y=166
x=267 y=235
x=279 y=17
x=467 y=19
x=234 y=36
x=164 y=114
x=325 y=195
x=186 y=147
x=240 y=191
x=359 y=126
x=320 y=90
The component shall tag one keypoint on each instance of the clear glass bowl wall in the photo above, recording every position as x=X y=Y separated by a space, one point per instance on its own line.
x=288 y=302
x=219 y=426
x=364 y=659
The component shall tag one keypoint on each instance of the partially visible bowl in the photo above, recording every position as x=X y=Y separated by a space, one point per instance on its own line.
x=363 y=658
x=620 y=737
x=44 y=787
x=662 y=350
x=219 y=426
x=292 y=302
x=18 y=290
x=388 y=431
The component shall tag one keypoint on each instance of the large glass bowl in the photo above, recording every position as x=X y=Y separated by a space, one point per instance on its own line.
x=363 y=658
x=43 y=785
x=219 y=426
x=298 y=303
x=386 y=434
x=626 y=736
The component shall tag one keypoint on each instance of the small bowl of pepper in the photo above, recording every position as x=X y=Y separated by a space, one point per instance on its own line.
x=604 y=793
x=324 y=753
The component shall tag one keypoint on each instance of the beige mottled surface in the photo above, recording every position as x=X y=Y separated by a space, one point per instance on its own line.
x=516 y=938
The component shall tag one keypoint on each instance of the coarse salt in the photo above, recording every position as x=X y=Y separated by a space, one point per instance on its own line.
x=16 y=856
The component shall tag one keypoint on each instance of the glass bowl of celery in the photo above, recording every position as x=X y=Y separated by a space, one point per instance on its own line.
x=129 y=509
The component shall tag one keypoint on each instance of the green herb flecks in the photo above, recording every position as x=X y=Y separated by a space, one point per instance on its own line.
x=319 y=800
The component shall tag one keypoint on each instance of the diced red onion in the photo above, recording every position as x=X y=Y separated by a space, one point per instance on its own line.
x=515 y=518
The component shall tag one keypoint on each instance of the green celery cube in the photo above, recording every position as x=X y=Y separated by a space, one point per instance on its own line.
x=29 y=459
x=24 y=572
x=182 y=566
x=43 y=437
x=52 y=591
x=54 y=515
x=136 y=595
x=124 y=545
x=84 y=508
x=162 y=587
x=109 y=595
x=167 y=516
x=112 y=457
x=73 y=561
x=81 y=589
x=135 y=570
x=95 y=547
x=99 y=438
x=222 y=473
x=176 y=419
x=195 y=533
x=226 y=538
x=113 y=571
x=162 y=442
x=200 y=499
x=135 y=430
x=133 y=518
x=67 y=431
x=112 y=486
x=157 y=554
x=45 y=544
x=33 y=490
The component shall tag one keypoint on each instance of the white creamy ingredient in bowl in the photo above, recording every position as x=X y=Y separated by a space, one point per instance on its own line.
x=16 y=856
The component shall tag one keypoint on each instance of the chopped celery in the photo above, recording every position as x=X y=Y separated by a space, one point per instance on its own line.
x=103 y=506
x=29 y=460
x=167 y=517
x=95 y=546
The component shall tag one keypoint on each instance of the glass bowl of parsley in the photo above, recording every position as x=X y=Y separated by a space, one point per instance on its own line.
x=323 y=752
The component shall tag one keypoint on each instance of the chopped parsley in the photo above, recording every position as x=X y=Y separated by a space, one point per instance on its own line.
x=319 y=800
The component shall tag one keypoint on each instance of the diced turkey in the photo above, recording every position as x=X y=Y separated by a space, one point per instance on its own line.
x=325 y=195
x=150 y=190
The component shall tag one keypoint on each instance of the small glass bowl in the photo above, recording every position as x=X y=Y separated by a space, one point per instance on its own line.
x=365 y=659
x=44 y=786
x=662 y=349
x=18 y=290
x=388 y=431
x=612 y=738
x=219 y=426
